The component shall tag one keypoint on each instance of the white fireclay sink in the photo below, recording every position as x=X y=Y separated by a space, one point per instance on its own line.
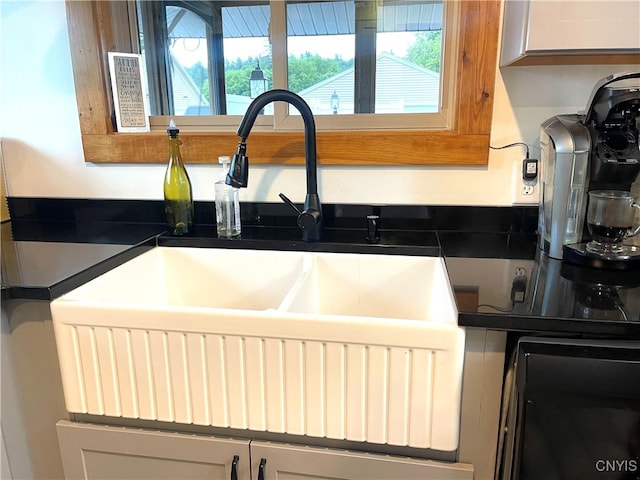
x=197 y=277
x=358 y=347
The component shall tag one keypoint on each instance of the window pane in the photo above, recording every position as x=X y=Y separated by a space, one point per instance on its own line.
x=408 y=55
x=246 y=51
x=188 y=61
x=321 y=53
x=365 y=56
x=207 y=56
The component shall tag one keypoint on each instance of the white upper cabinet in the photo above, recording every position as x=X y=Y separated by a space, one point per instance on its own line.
x=556 y=32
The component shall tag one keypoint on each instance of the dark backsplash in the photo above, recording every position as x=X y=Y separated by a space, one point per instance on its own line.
x=474 y=219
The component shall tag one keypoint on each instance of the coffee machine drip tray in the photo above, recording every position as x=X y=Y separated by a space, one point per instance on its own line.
x=627 y=259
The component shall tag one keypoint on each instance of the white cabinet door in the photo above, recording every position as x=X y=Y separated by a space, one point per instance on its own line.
x=579 y=31
x=288 y=462
x=114 y=453
x=105 y=452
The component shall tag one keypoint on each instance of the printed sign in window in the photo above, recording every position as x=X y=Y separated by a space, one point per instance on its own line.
x=129 y=93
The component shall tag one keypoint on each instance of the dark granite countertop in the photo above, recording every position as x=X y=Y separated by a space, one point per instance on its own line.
x=500 y=278
x=43 y=261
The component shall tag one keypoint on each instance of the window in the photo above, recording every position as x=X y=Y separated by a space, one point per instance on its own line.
x=344 y=57
x=458 y=134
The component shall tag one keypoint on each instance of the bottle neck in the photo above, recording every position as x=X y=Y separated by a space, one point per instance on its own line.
x=224 y=171
x=174 y=149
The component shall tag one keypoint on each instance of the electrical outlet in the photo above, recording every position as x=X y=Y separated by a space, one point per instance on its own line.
x=525 y=192
x=519 y=285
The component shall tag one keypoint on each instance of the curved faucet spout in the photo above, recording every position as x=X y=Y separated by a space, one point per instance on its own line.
x=310 y=219
x=291 y=98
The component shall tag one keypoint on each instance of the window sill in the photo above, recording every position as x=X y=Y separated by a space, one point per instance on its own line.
x=390 y=147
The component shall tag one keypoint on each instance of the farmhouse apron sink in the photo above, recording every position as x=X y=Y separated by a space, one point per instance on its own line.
x=359 y=347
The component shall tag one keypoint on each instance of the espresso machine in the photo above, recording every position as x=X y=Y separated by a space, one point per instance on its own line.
x=597 y=150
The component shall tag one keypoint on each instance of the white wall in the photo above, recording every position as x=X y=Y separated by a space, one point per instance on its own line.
x=43 y=155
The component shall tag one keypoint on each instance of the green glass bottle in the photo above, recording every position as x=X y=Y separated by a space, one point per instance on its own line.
x=178 y=199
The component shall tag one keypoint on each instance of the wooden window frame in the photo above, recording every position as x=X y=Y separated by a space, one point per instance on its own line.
x=91 y=37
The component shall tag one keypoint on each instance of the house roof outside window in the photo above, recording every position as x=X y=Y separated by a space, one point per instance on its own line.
x=304 y=19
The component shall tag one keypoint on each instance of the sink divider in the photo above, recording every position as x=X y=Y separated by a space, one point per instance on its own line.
x=307 y=267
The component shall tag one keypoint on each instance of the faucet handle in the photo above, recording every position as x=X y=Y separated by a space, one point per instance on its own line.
x=307 y=218
x=286 y=200
x=310 y=219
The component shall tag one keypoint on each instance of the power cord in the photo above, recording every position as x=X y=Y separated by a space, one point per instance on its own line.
x=515 y=144
x=518 y=289
x=497 y=308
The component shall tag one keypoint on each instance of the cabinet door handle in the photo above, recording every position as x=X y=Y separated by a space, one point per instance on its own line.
x=263 y=463
x=234 y=467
